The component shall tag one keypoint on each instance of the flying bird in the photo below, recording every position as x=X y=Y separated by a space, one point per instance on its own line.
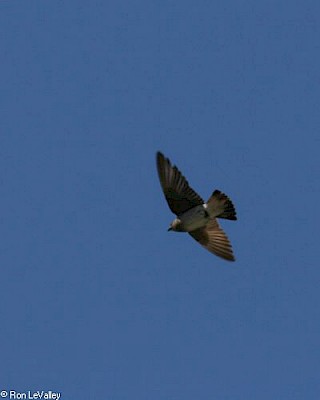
x=195 y=216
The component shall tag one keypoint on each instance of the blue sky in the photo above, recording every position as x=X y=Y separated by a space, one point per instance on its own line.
x=98 y=300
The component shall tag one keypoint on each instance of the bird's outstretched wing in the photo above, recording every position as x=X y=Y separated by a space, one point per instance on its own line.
x=179 y=195
x=213 y=238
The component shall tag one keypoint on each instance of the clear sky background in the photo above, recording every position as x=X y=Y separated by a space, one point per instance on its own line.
x=98 y=300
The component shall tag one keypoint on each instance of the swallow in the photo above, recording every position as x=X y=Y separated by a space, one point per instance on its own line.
x=194 y=216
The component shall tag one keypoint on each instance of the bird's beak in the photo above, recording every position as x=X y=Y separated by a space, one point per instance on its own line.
x=169 y=229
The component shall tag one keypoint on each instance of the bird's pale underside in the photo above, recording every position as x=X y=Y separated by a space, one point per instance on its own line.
x=195 y=216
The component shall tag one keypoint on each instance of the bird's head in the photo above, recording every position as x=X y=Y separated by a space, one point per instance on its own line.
x=175 y=225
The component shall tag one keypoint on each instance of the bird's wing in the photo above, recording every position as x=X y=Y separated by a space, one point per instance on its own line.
x=213 y=238
x=179 y=195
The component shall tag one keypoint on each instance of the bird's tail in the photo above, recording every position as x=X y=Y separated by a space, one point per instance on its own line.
x=219 y=205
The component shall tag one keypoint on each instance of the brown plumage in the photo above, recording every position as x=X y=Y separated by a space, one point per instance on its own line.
x=194 y=215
